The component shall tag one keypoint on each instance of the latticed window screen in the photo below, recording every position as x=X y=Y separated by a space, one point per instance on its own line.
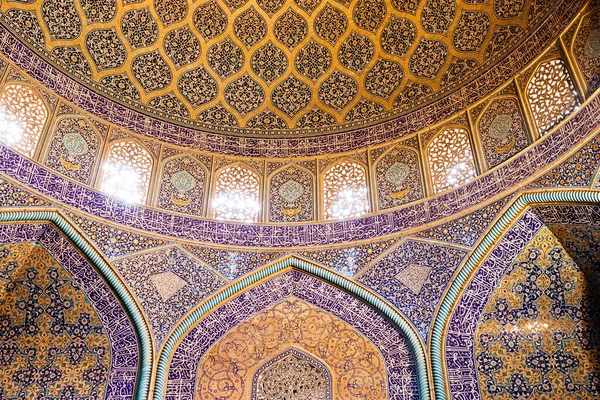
x=22 y=117
x=450 y=159
x=345 y=191
x=551 y=95
x=126 y=171
x=237 y=192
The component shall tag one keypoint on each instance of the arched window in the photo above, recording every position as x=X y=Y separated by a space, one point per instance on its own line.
x=23 y=114
x=450 y=159
x=126 y=171
x=345 y=190
x=551 y=95
x=237 y=193
x=292 y=375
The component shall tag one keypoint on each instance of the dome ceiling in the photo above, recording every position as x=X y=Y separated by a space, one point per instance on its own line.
x=273 y=67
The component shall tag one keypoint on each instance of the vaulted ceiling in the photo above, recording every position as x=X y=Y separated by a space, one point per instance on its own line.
x=274 y=67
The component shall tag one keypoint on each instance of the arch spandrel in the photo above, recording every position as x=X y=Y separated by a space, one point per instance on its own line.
x=291 y=308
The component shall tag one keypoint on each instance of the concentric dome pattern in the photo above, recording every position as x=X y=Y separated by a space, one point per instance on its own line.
x=274 y=67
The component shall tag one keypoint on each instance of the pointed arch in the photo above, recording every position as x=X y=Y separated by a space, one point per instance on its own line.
x=478 y=255
x=502 y=129
x=551 y=94
x=450 y=158
x=24 y=113
x=319 y=385
x=74 y=146
x=182 y=184
x=309 y=269
x=289 y=200
x=236 y=193
x=397 y=177
x=345 y=188
x=126 y=170
x=106 y=276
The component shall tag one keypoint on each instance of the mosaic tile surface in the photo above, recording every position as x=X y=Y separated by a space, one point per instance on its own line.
x=401 y=373
x=123 y=363
x=419 y=307
x=140 y=272
x=465 y=230
x=233 y=263
x=128 y=118
x=114 y=241
x=53 y=342
x=460 y=337
x=349 y=260
x=537 y=334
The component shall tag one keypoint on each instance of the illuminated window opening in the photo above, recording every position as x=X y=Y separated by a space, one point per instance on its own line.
x=345 y=191
x=552 y=95
x=451 y=159
x=126 y=172
x=22 y=118
x=237 y=195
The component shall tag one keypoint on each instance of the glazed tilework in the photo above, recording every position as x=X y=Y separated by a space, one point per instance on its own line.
x=15 y=196
x=502 y=130
x=233 y=263
x=586 y=48
x=289 y=373
x=465 y=230
x=183 y=185
x=537 y=334
x=507 y=177
x=578 y=170
x=113 y=241
x=73 y=149
x=226 y=370
x=53 y=343
x=138 y=271
x=582 y=242
x=353 y=35
x=460 y=339
x=484 y=83
x=399 y=364
x=348 y=261
x=398 y=178
x=417 y=307
x=122 y=372
x=291 y=195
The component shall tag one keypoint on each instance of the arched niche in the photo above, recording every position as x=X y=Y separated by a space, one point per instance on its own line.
x=180 y=371
x=523 y=292
x=292 y=375
x=73 y=334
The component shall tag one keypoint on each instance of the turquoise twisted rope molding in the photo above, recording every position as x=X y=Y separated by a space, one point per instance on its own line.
x=415 y=343
x=145 y=368
x=477 y=256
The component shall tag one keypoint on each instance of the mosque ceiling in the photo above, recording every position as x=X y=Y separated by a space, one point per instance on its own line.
x=273 y=67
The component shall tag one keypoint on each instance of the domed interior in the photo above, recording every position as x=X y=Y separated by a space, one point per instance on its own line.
x=300 y=200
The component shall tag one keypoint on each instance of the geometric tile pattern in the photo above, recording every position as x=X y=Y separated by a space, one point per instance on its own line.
x=167 y=283
x=68 y=276
x=463 y=378
x=413 y=277
x=537 y=335
x=102 y=57
x=53 y=342
x=279 y=327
